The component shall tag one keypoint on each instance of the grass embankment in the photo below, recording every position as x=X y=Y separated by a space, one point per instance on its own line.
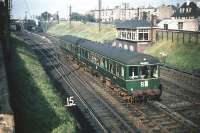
x=37 y=107
x=88 y=30
x=183 y=56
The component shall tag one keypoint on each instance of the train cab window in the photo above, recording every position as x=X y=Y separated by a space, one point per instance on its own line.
x=154 y=71
x=133 y=72
x=149 y=71
x=144 y=72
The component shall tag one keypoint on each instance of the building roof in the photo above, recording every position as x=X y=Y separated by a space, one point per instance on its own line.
x=123 y=56
x=195 y=11
x=132 y=24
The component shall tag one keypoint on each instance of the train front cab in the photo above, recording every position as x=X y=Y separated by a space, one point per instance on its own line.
x=143 y=79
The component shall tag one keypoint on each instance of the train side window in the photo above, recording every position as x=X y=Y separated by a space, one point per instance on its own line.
x=70 y=47
x=101 y=61
x=86 y=54
x=91 y=56
x=105 y=64
x=83 y=54
x=118 y=68
x=122 y=71
x=67 y=46
x=81 y=51
x=97 y=60
x=114 y=68
x=94 y=59
x=133 y=72
x=110 y=67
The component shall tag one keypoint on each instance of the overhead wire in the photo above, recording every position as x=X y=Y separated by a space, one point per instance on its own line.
x=28 y=8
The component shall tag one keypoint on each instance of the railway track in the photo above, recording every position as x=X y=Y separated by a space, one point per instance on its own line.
x=182 y=101
x=159 y=120
x=181 y=79
x=149 y=117
x=105 y=116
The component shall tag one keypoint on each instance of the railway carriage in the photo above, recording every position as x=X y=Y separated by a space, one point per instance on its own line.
x=136 y=73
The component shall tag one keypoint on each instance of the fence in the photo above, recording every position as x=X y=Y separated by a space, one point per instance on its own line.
x=178 y=36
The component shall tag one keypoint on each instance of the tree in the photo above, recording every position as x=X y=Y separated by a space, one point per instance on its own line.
x=144 y=17
x=89 y=18
x=44 y=16
x=76 y=16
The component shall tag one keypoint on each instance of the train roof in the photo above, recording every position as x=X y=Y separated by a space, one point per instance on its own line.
x=71 y=39
x=123 y=56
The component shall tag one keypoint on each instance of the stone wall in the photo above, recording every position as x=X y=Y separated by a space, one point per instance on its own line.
x=6 y=114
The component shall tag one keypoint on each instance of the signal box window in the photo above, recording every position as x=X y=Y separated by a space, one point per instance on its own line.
x=165 y=26
x=140 y=36
x=180 y=25
x=143 y=34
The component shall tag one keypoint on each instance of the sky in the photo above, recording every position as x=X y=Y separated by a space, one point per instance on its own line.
x=36 y=7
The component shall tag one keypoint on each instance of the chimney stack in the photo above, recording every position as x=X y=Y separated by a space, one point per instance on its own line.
x=138 y=13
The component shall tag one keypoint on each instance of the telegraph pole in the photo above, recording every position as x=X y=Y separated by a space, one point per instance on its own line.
x=70 y=15
x=125 y=10
x=25 y=25
x=99 y=15
x=47 y=21
x=26 y=15
x=57 y=17
x=152 y=24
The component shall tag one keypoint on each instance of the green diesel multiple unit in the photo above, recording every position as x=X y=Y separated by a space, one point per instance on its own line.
x=137 y=73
